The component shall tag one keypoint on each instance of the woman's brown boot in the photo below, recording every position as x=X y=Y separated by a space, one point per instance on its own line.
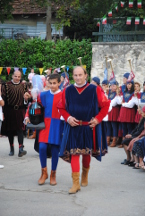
x=43 y=177
x=84 y=180
x=53 y=178
x=76 y=185
x=108 y=140
x=113 y=144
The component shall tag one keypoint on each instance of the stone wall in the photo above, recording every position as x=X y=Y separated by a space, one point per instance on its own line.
x=119 y=52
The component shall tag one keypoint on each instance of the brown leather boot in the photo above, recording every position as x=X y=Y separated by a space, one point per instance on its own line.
x=76 y=185
x=33 y=135
x=108 y=140
x=84 y=180
x=43 y=177
x=113 y=144
x=53 y=178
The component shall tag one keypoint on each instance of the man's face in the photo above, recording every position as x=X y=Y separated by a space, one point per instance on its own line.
x=32 y=70
x=16 y=76
x=79 y=76
x=54 y=85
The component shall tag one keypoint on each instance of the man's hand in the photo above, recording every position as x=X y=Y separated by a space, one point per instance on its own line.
x=27 y=96
x=128 y=136
x=93 y=122
x=27 y=120
x=73 y=121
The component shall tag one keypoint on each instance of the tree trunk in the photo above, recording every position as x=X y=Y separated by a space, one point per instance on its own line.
x=48 y=22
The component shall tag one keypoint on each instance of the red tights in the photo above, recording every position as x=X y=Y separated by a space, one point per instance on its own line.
x=75 y=162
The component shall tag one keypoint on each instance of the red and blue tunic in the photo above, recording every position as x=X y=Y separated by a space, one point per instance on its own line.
x=83 y=104
x=52 y=133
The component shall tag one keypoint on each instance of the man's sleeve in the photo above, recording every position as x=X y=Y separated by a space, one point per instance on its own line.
x=62 y=106
x=103 y=104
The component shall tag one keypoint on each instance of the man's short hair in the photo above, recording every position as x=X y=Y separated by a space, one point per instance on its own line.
x=54 y=76
x=82 y=69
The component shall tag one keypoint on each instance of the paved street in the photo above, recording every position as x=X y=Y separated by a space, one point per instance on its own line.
x=113 y=190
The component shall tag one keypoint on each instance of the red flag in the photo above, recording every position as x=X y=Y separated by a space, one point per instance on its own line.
x=131 y=76
x=112 y=76
x=8 y=70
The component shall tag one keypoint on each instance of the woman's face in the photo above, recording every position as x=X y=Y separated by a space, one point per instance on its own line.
x=137 y=87
x=129 y=85
x=47 y=83
x=113 y=87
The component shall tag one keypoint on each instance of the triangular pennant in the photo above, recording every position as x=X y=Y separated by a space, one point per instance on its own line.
x=16 y=68
x=130 y=3
x=24 y=70
x=84 y=66
x=8 y=70
x=98 y=23
x=41 y=70
x=110 y=13
x=139 y=3
x=67 y=68
x=137 y=20
x=1 y=69
x=128 y=21
x=116 y=7
x=122 y=4
x=104 y=21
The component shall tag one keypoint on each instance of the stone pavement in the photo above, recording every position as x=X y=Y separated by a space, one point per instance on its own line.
x=113 y=190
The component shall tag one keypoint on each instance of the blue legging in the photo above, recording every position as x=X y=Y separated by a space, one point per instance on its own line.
x=43 y=155
x=127 y=128
x=112 y=127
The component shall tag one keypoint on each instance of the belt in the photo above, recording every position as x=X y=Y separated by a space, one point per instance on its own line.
x=16 y=107
x=83 y=123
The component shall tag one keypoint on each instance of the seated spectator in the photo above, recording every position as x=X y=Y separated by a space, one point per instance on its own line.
x=129 y=140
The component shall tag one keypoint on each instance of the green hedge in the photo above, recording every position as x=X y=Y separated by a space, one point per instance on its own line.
x=38 y=53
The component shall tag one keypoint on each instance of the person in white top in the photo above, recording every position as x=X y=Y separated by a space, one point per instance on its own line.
x=1 y=116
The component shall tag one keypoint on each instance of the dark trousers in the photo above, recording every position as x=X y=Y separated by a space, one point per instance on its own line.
x=127 y=128
x=11 y=137
x=112 y=129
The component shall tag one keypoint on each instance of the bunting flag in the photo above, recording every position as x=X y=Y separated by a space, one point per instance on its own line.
x=16 y=68
x=144 y=21
x=84 y=66
x=130 y=3
x=24 y=70
x=98 y=23
x=8 y=70
x=110 y=13
x=128 y=21
x=105 y=74
x=131 y=76
x=41 y=70
x=67 y=68
x=104 y=20
x=139 y=3
x=116 y=7
x=122 y=4
x=137 y=20
x=1 y=69
x=112 y=76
